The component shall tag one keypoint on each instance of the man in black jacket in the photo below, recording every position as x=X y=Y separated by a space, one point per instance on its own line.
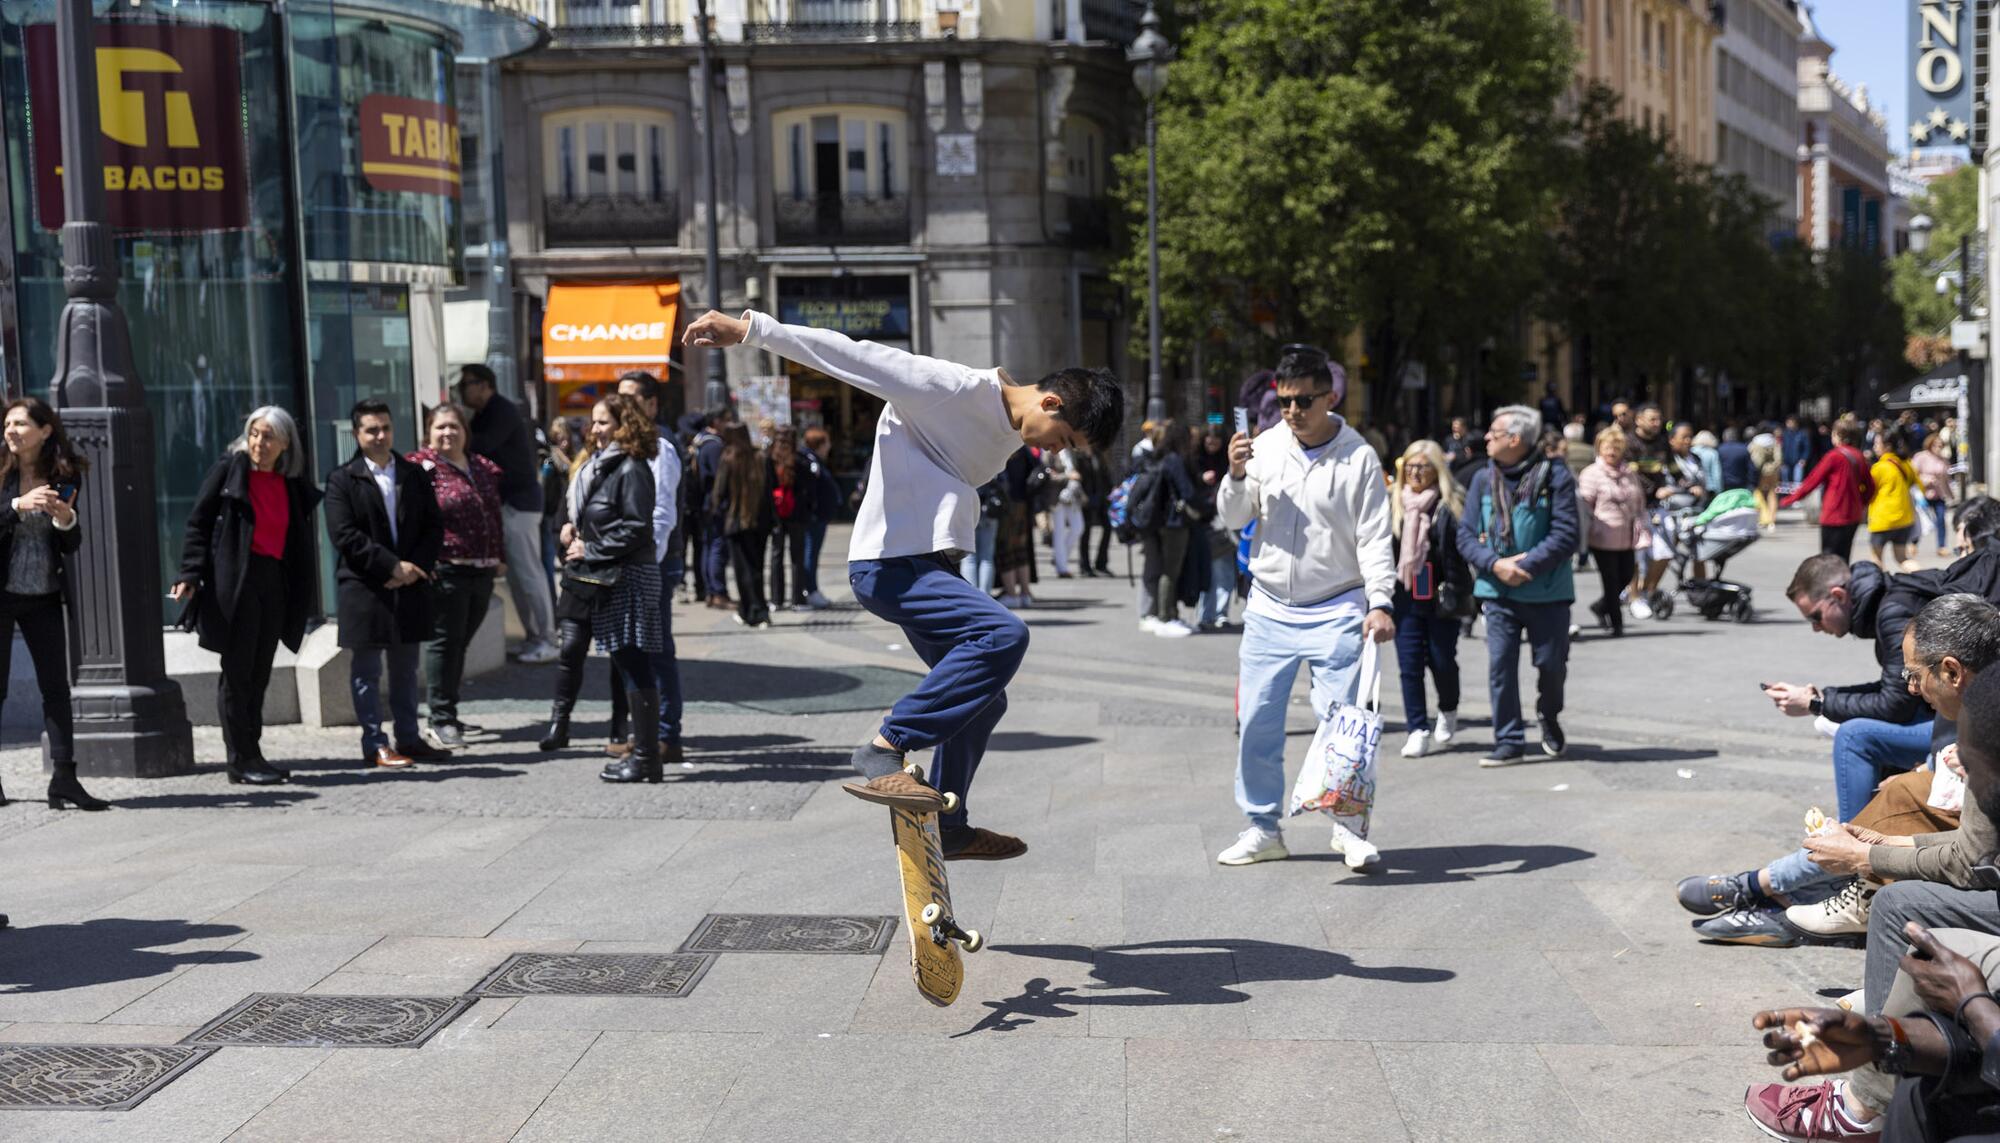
x=1879 y=728
x=502 y=435
x=382 y=516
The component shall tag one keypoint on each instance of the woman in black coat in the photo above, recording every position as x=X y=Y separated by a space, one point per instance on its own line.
x=247 y=576
x=39 y=476
x=611 y=582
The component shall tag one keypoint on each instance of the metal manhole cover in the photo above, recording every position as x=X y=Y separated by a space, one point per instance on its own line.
x=669 y=975
x=792 y=933
x=88 y=1077
x=293 y=1020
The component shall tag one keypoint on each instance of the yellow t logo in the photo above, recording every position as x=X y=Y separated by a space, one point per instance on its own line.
x=124 y=112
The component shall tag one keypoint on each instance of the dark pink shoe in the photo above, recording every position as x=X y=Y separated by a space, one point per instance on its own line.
x=1805 y=1113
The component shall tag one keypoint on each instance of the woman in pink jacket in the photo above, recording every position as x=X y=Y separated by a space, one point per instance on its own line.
x=1615 y=503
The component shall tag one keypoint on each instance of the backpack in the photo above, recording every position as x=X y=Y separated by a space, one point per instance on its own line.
x=1144 y=498
x=1117 y=510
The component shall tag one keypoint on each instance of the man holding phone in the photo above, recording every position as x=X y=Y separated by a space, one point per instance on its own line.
x=1312 y=479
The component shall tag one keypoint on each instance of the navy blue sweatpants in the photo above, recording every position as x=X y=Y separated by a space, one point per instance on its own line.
x=973 y=647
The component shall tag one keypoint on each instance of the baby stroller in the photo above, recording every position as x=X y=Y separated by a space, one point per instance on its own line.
x=1712 y=542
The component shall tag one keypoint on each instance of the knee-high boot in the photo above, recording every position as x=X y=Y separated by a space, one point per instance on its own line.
x=574 y=654
x=643 y=763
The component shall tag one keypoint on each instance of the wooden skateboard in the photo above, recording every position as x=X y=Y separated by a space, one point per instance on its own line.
x=934 y=935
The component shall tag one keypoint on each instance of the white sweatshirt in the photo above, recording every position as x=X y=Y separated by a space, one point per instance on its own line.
x=1322 y=527
x=945 y=432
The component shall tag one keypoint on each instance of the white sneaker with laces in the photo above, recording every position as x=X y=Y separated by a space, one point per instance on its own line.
x=1641 y=609
x=1445 y=727
x=1173 y=629
x=1417 y=744
x=537 y=652
x=1843 y=914
x=1254 y=845
x=1360 y=852
x=1150 y=624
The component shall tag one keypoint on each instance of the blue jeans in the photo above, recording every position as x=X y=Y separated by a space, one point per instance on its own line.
x=979 y=570
x=1221 y=585
x=972 y=645
x=1800 y=880
x=1867 y=750
x=815 y=540
x=364 y=677
x=1546 y=627
x=715 y=557
x=1268 y=661
x=1941 y=525
x=1425 y=638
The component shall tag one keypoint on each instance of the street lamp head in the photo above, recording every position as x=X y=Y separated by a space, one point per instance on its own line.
x=1920 y=232
x=1149 y=55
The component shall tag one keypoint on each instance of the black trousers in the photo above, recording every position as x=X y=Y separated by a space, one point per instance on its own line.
x=789 y=536
x=40 y=618
x=458 y=607
x=746 y=562
x=694 y=540
x=1095 y=519
x=1838 y=538
x=1614 y=571
x=246 y=660
x=629 y=664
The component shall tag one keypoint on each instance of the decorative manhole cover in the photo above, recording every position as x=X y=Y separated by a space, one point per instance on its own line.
x=792 y=933
x=88 y=1077
x=292 y=1020
x=596 y=974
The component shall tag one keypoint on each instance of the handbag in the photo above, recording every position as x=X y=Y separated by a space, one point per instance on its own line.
x=585 y=583
x=1339 y=775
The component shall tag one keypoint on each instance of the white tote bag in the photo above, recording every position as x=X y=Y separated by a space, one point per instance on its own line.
x=1339 y=774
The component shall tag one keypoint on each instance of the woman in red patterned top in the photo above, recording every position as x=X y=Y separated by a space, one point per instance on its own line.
x=468 y=496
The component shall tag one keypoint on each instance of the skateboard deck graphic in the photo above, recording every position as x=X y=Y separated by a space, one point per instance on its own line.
x=934 y=960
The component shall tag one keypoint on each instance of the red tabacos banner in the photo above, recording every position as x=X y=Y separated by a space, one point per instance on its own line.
x=409 y=145
x=170 y=111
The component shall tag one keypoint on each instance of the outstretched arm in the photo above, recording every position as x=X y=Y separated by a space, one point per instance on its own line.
x=909 y=380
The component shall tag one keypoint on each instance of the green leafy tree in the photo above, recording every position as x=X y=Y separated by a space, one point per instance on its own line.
x=1952 y=203
x=1325 y=164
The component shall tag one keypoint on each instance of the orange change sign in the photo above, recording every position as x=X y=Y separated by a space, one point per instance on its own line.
x=594 y=333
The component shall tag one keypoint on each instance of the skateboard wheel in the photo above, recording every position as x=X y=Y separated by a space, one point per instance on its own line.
x=913 y=770
x=950 y=803
x=972 y=942
x=931 y=914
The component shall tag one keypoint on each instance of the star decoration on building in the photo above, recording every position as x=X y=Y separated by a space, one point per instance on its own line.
x=1938 y=117
x=1958 y=130
x=1919 y=131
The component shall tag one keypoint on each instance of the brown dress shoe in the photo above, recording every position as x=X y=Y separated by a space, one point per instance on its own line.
x=900 y=790
x=985 y=845
x=388 y=759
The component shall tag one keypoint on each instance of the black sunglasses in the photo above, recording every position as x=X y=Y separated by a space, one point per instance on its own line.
x=1301 y=400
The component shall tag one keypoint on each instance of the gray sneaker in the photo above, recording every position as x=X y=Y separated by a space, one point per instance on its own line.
x=1715 y=893
x=447 y=735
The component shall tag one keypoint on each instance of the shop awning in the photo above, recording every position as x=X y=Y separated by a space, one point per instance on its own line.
x=1940 y=387
x=596 y=332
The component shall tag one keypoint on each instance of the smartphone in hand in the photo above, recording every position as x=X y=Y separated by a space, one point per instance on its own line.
x=1242 y=419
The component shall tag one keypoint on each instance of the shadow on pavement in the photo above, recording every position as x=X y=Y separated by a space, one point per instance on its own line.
x=800 y=766
x=1185 y=972
x=1450 y=864
x=421 y=772
x=1026 y=740
x=1584 y=752
x=56 y=958
x=711 y=680
x=229 y=798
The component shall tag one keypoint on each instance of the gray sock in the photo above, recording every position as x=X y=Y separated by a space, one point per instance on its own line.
x=872 y=761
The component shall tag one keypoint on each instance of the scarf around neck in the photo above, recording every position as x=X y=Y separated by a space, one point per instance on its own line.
x=1417 y=508
x=1521 y=483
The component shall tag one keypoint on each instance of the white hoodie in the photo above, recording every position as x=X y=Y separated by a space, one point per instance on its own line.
x=1322 y=526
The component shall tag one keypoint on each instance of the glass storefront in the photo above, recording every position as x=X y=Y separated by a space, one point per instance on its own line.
x=206 y=284
x=875 y=307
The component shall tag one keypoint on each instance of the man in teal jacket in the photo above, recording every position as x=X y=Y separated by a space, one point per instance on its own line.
x=1519 y=532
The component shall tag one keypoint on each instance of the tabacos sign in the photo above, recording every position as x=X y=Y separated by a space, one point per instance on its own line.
x=1940 y=73
x=170 y=116
x=409 y=145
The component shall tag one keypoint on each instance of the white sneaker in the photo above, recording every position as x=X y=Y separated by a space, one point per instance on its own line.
x=1641 y=609
x=1844 y=914
x=537 y=652
x=1446 y=726
x=1855 y=1001
x=1417 y=744
x=1360 y=852
x=1254 y=845
x=1574 y=630
x=1150 y=624
x=1173 y=629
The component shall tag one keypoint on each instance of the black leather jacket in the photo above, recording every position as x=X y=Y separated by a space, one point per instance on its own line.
x=616 y=518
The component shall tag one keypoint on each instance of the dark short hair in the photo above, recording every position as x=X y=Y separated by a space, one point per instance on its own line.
x=1093 y=403
x=1818 y=576
x=479 y=373
x=649 y=385
x=1980 y=517
x=1304 y=364
x=1648 y=407
x=716 y=417
x=368 y=407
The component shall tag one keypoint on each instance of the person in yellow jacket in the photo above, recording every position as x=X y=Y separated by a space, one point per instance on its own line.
x=1892 y=513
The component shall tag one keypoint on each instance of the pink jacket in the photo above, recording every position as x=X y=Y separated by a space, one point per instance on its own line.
x=1615 y=501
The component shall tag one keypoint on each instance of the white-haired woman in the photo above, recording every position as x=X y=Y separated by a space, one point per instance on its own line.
x=1433 y=585
x=247 y=573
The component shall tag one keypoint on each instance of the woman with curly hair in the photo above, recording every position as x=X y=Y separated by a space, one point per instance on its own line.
x=611 y=581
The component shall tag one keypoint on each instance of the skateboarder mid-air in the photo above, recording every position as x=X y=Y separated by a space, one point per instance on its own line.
x=946 y=430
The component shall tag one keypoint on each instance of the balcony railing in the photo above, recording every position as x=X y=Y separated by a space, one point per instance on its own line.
x=777 y=21
x=612 y=220
x=836 y=220
x=590 y=31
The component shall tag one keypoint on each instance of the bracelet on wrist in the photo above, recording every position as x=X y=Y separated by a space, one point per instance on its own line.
x=1959 y=1015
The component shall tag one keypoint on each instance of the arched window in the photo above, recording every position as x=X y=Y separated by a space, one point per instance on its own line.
x=1086 y=164
x=853 y=152
x=609 y=175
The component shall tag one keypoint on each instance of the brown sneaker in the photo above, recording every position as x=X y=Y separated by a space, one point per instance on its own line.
x=985 y=845
x=898 y=789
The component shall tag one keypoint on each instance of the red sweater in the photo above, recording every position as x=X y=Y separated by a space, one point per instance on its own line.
x=1843 y=473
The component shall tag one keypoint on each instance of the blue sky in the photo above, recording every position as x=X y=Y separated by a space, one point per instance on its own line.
x=1870 y=39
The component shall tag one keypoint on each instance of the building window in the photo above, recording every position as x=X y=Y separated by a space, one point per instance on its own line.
x=1645 y=36
x=851 y=151
x=608 y=152
x=1086 y=162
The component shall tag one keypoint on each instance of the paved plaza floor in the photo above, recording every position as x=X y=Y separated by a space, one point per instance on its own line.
x=1517 y=971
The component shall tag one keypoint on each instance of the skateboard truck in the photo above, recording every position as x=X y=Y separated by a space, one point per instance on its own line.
x=945 y=928
x=917 y=772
